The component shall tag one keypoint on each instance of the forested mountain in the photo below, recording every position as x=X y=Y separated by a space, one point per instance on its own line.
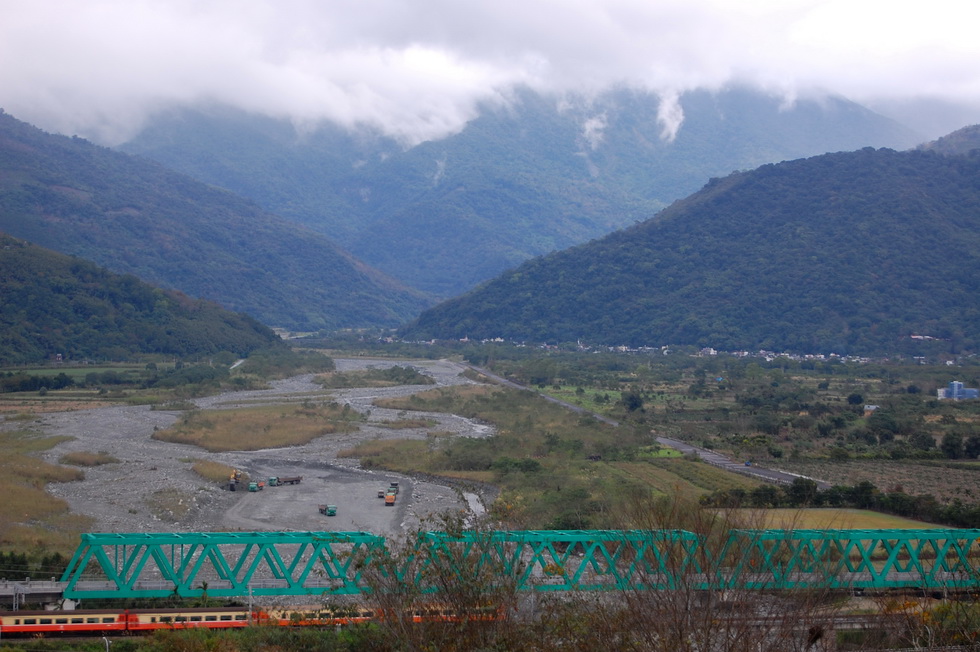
x=848 y=253
x=55 y=304
x=540 y=174
x=961 y=141
x=135 y=216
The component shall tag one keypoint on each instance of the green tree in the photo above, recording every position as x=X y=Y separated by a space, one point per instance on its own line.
x=632 y=401
x=952 y=445
x=971 y=447
x=922 y=441
x=801 y=492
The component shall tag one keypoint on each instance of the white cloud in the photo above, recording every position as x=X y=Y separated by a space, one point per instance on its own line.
x=418 y=69
x=593 y=130
x=670 y=115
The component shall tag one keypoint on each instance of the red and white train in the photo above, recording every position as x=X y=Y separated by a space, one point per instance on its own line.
x=104 y=621
x=95 y=621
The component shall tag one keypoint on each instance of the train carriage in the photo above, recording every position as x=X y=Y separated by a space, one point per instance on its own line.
x=91 y=621
x=50 y=622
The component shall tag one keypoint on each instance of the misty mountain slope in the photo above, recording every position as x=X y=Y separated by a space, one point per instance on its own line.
x=291 y=171
x=848 y=253
x=57 y=304
x=961 y=141
x=135 y=216
x=541 y=174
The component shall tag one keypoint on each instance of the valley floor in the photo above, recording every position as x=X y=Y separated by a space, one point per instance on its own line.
x=153 y=487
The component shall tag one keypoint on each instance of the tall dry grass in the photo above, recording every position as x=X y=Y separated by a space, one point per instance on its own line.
x=255 y=428
x=213 y=471
x=30 y=518
x=87 y=458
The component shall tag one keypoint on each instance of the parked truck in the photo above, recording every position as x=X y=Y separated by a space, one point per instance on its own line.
x=278 y=481
x=328 y=510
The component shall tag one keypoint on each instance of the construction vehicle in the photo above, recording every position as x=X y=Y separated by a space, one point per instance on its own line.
x=328 y=510
x=393 y=487
x=256 y=486
x=381 y=493
x=276 y=481
x=390 y=499
x=234 y=479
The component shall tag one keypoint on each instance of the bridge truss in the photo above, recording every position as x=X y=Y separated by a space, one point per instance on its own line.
x=226 y=564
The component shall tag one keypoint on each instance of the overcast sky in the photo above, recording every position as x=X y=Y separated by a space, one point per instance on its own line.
x=418 y=68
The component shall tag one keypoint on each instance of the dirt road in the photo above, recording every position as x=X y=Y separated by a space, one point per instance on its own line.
x=153 y=488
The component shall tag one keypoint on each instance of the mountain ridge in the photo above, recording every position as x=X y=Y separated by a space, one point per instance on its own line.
x=135 y=216
x=539 y=174
x=849 y=252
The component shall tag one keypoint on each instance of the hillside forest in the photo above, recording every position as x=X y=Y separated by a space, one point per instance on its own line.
x=851 y=253
x=60 y=308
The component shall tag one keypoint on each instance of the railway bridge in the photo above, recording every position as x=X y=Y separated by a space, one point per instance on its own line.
x=238 y=564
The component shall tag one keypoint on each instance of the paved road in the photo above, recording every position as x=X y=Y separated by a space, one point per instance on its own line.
x=510 y=383
x=723 y=462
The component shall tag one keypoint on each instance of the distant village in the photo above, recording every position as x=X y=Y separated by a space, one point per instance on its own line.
x=769 y=356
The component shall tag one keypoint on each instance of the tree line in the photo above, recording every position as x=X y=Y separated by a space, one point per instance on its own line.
x=804 y=493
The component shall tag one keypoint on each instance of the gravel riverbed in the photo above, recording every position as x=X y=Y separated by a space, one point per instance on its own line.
x=154 y=489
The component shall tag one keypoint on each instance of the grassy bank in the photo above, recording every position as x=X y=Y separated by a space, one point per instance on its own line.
x=30 y=518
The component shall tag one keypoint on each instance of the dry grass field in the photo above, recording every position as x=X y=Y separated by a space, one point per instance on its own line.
x=683 y=478
x=256 y=428
x=827 y=519
x=86 y=458
x=29 y=516
x=215 y=472
x=31 y=405
x=445 y=398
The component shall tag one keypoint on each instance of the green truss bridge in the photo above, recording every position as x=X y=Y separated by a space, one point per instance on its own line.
x=353 y=563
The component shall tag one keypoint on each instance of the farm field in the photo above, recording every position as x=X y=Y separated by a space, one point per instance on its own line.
x=946 y=481
x=18 y=404
x=826 y=519
x=681 y=478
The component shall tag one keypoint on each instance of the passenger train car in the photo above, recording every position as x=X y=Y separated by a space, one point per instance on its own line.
x=105 y=621
x=84 y=621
